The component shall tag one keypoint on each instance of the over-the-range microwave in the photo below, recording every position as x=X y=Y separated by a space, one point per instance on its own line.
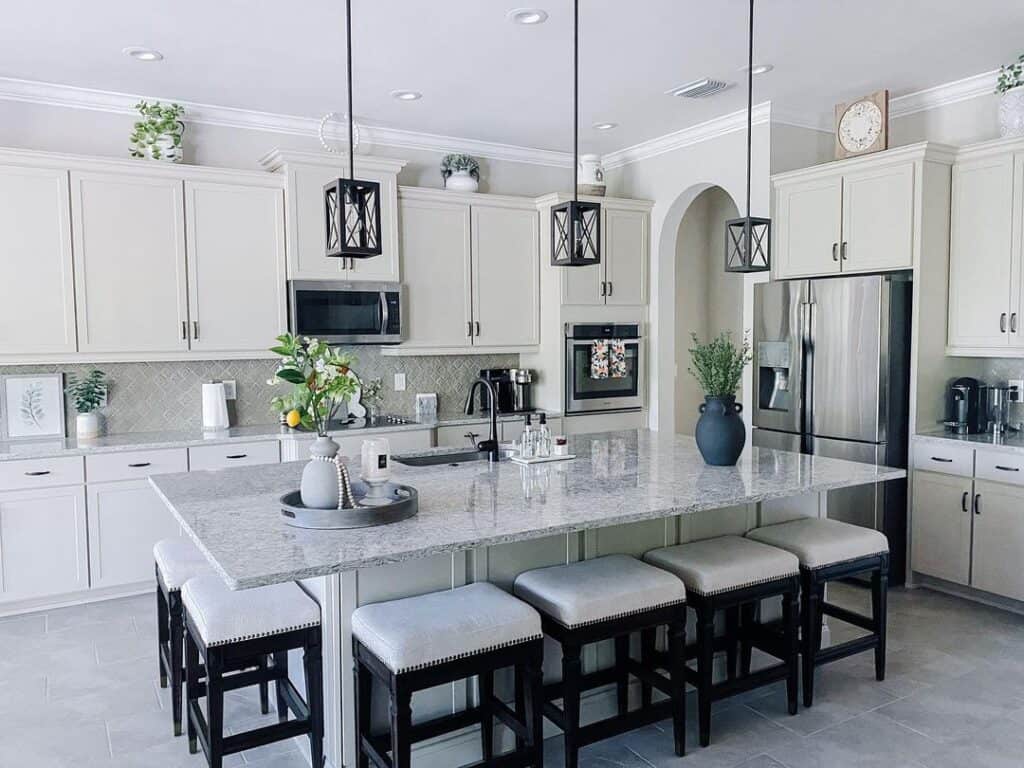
x=346 y=312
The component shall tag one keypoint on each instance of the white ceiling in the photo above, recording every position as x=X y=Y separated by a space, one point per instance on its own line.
x=485 y=78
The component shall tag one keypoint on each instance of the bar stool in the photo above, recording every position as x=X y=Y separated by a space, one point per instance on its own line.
x=829 y=550
x=728 y=573
x=227 y=629
x=603 y=599
x=419 y=642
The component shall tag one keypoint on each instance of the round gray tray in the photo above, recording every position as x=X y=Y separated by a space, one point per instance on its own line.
x=379 y=505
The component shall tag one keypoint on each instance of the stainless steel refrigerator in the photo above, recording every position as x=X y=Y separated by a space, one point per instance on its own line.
x=831 y=378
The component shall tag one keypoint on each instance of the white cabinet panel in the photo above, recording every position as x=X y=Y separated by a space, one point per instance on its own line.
x=998 y=539
x=1016 y=339
x=941 y=528
x=125 y=520
x=625 y=246
x=506 y=277
x=37 y=293
x=582 y=285
x=947 y=458
x=808 y=227
x=1000 y=467
x=41 y=473
x=464 y=436
x=436 y=262
x=878 y=218
x=234 y=455
x=134 y=465
x=980 y=268
x=42 y=543
x=236 y=266
x=129 y=245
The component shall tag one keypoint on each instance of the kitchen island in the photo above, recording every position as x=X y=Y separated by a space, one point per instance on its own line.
x=625 y=492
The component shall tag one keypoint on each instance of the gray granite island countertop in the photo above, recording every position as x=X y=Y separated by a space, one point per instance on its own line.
x=234 y=516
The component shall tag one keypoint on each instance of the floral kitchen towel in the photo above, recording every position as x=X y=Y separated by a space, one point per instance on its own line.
x=617 y=359
x=599 y=359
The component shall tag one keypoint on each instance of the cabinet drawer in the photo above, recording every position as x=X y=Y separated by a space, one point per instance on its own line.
x=234 y=455
x=41 y=473
x=1000 y=467
x=949 y=459
x=132 y=465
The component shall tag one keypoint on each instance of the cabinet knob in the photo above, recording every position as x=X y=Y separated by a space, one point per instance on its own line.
x=469 y=329
x=611 y=286
x=963 y=501
x=835 y=251
x=977 y=504
x=1002 y=323
x=842 y=251
x=1013 y=322
x=37 y=473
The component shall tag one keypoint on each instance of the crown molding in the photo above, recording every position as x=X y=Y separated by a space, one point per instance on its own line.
x=52 y=94
x=941 y=95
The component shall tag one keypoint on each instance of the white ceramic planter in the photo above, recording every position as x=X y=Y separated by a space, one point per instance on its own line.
x=461 y=181
x=1011 y=113
x=87 y=426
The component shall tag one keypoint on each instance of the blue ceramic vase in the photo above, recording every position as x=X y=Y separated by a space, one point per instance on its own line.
x=721 y=433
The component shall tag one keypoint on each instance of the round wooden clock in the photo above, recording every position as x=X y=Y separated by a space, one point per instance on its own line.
x=862 y=125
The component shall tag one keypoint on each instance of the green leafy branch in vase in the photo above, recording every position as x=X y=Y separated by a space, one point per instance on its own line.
x=319 y=376
x=718 y=365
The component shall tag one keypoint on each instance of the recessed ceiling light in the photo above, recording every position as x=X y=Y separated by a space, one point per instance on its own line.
x=605 y=126
x=759 y=69
x=142 y=54
x=527 y=16
x=406 y=95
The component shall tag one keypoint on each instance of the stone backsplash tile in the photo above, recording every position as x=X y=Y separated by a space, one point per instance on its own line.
x=167 y=395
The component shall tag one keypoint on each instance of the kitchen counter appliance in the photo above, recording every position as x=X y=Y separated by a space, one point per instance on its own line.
x=832 y=378
x=343 y=312
x=586 y=394
x=512 y=387
x=966 y=407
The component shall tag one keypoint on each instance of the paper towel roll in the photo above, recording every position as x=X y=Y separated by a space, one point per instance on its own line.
x=215 y=406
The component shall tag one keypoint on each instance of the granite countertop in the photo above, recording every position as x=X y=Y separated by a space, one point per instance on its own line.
x=1012 y=442
x=234 y=515
x=137 y=441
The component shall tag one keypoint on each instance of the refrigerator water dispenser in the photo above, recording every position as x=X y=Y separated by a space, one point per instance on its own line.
x=773 y=378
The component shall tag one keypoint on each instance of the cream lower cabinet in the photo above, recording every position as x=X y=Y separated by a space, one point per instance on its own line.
x=998 y=550
x=43 y=548
x=941 y=529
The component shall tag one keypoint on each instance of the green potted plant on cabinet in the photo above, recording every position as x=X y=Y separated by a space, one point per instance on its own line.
x=87 y=396
x=157 y=135
x=1010 y=87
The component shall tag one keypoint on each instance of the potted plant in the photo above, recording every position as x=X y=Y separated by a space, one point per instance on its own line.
x=320 y=385
x=157 y=136
x=718 y=367
x=1010 y=87
x=460 y=173
x=87 y=395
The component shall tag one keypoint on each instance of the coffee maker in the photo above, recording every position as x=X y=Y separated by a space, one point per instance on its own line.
x=966 y=407
x=512 y=385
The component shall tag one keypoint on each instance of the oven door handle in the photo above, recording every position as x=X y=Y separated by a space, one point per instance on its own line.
x=383 y=313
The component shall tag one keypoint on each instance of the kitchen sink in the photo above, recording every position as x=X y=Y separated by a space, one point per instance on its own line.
x=433 y=459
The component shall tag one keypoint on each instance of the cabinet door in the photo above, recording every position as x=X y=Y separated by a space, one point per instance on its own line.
x=506 y=276
x=42 y=543
x=37 y=293
x=626 y=252
x=808 y=227
x=236 y=281
x=129 y=243
x=1016 y=336
x=981 y=235
x=941 y=530
x=878 y=219
x=459 y=436
x=125 y=520
x=435 y=245
x=998 y=539
x=306 y=206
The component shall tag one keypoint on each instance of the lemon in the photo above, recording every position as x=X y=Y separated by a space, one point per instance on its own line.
x=293 y=418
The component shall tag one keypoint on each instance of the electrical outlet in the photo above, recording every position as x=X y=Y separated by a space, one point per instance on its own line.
x=229 y=389
x=1019 y=384
x=399 y=382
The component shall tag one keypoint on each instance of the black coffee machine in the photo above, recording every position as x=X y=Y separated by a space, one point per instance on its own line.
x=512 y=386
x=965 y=407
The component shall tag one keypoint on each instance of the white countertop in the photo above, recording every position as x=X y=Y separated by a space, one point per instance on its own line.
x=1012 y=442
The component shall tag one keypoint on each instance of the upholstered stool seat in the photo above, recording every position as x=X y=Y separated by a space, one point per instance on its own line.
x=420 y=642
x=608 y=598
x=734 y=574
x=227 y=630
x=830 y=550
x=178 y=560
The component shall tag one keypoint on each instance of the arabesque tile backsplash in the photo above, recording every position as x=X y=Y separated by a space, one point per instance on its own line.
x=153 y=396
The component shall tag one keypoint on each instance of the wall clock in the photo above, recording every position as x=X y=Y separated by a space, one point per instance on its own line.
x=862 y=125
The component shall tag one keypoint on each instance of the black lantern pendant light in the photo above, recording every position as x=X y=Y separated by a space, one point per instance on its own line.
x=352 y=207
x=748 y=240
x=575 y=225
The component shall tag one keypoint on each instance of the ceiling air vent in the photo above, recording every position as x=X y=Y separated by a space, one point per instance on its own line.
x=698 y=89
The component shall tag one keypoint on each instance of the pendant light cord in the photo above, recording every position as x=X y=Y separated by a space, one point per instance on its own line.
x=348 y=45
x=750 y=100
x=576 y=99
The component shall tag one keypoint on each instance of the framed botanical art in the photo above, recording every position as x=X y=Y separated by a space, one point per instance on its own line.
x=32 y=406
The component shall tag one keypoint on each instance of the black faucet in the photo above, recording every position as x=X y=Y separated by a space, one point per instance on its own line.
x=491 y=443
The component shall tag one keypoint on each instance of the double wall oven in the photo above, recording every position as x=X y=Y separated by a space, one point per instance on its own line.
x=585 y=393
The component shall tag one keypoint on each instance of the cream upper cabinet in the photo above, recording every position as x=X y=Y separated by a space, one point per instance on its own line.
x=626 y=241
x=878 y=219
x=808 y=226
x=236 y=266
x=436 y=262
x=998 y=539
x=37 y=294
x=506 y=277
x=129 y=248
x=584 y=285
x=306 y=175
x=941 y=527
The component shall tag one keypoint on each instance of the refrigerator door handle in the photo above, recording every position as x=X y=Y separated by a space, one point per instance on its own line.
x=808 y=366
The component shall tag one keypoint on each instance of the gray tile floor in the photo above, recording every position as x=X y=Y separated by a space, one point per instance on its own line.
x=78 y=688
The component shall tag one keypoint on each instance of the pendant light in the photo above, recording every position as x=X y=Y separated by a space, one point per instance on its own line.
x=352 y=206
x=748 y=239
x=575 y=225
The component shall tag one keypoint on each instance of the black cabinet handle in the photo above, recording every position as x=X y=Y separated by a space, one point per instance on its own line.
x=977 y=504
x=1007 y=469
x=940 y=459
x=963 y=501
x=139 y=465
x=38 y=473
x=236 y=456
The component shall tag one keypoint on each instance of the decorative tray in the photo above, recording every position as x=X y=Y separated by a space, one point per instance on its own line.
x=542 y=459
x=375 y=505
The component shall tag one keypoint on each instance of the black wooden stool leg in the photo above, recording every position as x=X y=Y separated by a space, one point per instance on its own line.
x=521 y=682
x=177 y=633
x=790 y=623
x=879 y=607
x=312 y=662
x=401 y=721
x=648 y=640
x=705 y=666
x=622 y=673
x=215 y=707
x=485 y=681
x=281 y=666
x=191 y=689
x=571 y=671
x=732 y=631
x=364 y=692
x=677 y=664
x=163 y=630
x=812 y=617
x=264 y=687
x=533 y=704
x=748 y=617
